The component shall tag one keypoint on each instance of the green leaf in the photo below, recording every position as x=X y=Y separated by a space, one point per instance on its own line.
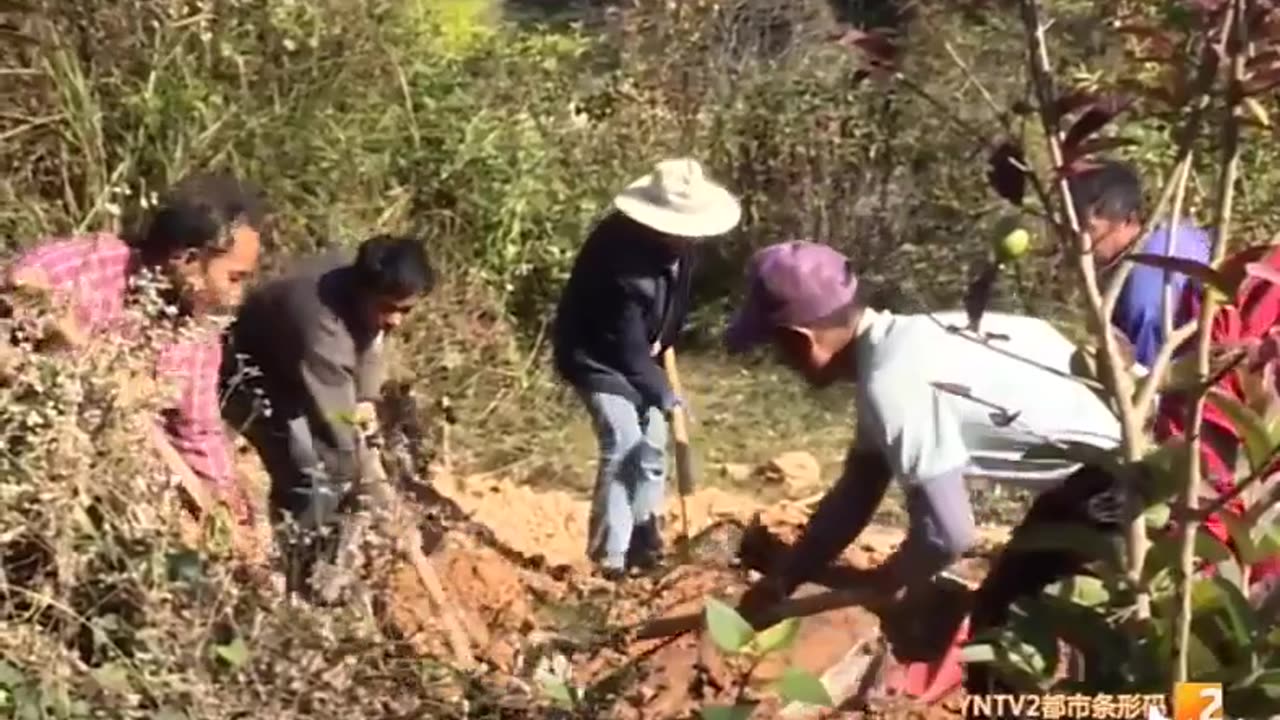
x=10 y=676
x=728 y=629
x=727 y=712
x=113 y=678
x=1026 y=653
x=1248 y=425
x=234 y=653
x=1157 y=516
x=1201 y=659
x=1164 y=553
x=1257 y=696
x=1242 y=537
x=1082 y=590
x=978 y=653
x=1210 y=549
x=1166 y=471
x=796 y=685
x=1230 y=571
x=1215 y=602
x=558 y=691
x=777 y=637
x=1266 y=535
x=1088 y=629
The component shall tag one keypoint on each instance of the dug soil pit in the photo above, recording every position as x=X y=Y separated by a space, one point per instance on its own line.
x=487 y=592
x=503 y=602
x=673 y=677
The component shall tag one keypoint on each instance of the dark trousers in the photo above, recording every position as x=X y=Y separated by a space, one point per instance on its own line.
x=1091 y=498
x=305 y=510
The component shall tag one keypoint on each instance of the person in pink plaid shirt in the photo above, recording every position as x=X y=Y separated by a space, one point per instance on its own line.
x=204 y=240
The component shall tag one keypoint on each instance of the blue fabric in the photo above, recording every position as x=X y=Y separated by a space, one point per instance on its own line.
x=631 y=478
x=1138 y=312
x=942 y=526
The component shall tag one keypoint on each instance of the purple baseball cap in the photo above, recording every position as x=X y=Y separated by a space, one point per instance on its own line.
x=790 y=284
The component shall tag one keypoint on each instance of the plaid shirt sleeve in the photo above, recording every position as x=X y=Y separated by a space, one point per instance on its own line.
x=90 y=271
x=194 y=423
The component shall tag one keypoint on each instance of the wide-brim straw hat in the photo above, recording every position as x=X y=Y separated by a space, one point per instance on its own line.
x=678 y=199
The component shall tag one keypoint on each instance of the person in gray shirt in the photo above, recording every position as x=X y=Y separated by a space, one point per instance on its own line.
x=304 y=364
x=937 y=404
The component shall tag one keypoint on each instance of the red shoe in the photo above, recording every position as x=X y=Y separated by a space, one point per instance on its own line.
x=928 y=682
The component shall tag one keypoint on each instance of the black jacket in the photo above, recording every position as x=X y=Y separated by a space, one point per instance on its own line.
x=627 y=291
x=318 y=359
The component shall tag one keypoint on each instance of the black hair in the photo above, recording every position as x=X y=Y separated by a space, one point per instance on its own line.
x=200 y=213
x=394 y=266
x=1112 y=191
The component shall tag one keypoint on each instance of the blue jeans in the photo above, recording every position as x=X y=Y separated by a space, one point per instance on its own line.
x=631 y=478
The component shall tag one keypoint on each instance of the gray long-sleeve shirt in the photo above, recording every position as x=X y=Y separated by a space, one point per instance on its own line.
x=319 y=358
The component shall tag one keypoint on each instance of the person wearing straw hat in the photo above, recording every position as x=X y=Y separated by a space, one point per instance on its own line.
x=625 y=301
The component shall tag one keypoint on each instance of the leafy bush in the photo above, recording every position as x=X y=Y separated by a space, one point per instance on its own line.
x=113 y=605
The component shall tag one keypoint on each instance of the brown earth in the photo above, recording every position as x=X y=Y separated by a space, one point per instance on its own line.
x=513 y=607
x=507 y=606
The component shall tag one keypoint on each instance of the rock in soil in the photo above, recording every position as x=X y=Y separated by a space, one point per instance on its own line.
x=798 y=472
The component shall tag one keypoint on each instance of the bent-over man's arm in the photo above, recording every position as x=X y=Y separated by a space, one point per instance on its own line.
x=842 y=514
x=920 y=436
x=328 y=371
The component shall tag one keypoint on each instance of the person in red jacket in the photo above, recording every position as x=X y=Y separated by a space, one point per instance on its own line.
x=1253 y=318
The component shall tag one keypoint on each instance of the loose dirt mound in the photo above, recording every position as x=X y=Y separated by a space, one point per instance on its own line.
x=504 y=601
x=491 y=595
x=553 y=524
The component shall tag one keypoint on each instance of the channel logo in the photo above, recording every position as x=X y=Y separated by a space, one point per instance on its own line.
x=1193 y=701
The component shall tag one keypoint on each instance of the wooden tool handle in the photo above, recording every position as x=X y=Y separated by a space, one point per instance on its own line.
x=794 y=607
x=405 y=531
x=679 y=427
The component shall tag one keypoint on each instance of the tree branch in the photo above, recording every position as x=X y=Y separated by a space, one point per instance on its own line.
x=1117 y=377
x=1151 y=384
x=1235 y=45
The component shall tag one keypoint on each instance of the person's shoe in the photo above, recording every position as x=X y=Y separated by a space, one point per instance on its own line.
x=644 y=562
x=645 y=553
x=611 y=574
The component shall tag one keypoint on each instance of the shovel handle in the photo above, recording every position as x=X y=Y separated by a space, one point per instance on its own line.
x=679 y=427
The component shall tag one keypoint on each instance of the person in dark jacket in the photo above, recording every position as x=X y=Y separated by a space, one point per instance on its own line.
x=306 y=367
x=626 y=300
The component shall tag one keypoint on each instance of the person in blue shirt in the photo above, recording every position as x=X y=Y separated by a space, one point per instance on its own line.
x=1108 y=201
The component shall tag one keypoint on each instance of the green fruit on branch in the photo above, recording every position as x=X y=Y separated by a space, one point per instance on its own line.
x=1013 y=245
